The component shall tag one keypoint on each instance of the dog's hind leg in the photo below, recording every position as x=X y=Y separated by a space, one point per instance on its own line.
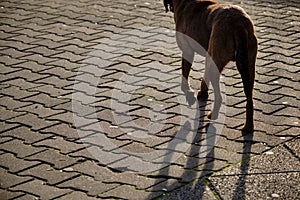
x=245 y=61
x=203 y=93
x=213 y=73
x=218 y=57
x=186 y=64
x=187 y=60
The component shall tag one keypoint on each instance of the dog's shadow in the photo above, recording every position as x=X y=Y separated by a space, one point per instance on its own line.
x=240 y=190
x=198 y=190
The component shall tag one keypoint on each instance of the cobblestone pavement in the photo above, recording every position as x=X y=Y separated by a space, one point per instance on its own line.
x=83 y=81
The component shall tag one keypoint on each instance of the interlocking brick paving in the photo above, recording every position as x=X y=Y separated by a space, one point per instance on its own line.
x=76 y=73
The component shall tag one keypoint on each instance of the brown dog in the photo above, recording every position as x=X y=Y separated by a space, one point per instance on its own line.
x=226 y=33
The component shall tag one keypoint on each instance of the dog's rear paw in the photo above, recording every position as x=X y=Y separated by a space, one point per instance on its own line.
x=185 y=86
x=202 y=95
x=190 y=97
x=212 y=115
x=248 y=128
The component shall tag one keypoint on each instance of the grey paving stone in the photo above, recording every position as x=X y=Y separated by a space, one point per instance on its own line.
x=9 y=180
x=63 y=130
x=66 y=117
x=29 y=32
x=65 y=64
x=14 y=164
x=67 y=106
x=55 y=81
x=106 y=128
x=20 y=82
x=16 y=93
x=84 y=154
x=40 y=110
x=94 y=170
x=287 y=92
x=5 y=139
x=139 y=182
x=33 y=66
x=129 y=192
x=8 y=69
x=25 y=134
x=53 y=158
x=24 y=38
x=288 y=112
x=25 y=74
x=268 y=139
x=52 y=37
x=33 y=122
x=171 y=171
x=89 y=185
x=39 y=58
x=40 y=189
x=8 y=114
x=20 y=149
x=46 y=43
x=4 y=194
x=44 y=51
x=77 y=196
x=62 y=145
x=60 y=72
x=18 y=45
x=45 y=99
x=74 y=49
x=14 y=53
x=77 y=42
x=48 y=174
x=292 y=131
x=69 y=56
x=164 y=186
x=28 y=197
x=5 y=126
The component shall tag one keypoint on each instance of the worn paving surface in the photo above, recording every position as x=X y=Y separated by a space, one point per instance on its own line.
x=84 y=83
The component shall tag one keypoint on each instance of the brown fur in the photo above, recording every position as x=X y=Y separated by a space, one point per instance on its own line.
x=226 y=32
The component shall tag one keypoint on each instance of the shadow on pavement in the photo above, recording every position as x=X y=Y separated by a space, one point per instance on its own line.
x=198 y=190
x=240 y=191
x=192 y=161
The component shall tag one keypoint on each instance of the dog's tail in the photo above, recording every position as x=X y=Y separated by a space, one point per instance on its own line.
x=246 y=56
x=245 y=60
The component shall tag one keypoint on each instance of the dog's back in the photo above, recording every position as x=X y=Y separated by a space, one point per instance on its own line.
x=198 y=19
